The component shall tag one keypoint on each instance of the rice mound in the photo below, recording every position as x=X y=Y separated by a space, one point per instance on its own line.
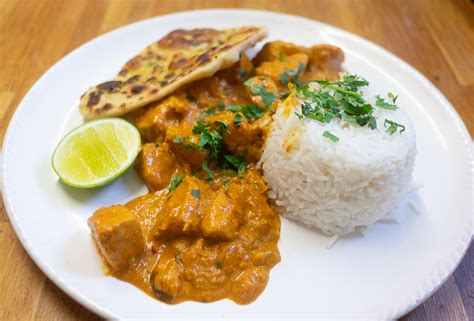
x=338 y=187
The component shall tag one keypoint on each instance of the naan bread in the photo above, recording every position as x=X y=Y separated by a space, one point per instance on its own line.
x=179 y=58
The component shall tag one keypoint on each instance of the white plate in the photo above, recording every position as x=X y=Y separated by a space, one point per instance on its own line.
x=382 y=275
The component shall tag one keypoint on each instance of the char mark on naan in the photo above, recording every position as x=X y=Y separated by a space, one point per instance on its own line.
x=179 y=58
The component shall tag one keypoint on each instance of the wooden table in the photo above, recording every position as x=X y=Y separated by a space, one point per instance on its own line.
x=435 y=36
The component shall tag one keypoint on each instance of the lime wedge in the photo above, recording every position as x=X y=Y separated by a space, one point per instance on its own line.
x=96 y=152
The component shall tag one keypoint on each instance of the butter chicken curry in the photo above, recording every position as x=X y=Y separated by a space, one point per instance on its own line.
x=206 y=230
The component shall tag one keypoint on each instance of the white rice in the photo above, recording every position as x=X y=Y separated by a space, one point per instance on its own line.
x=338 y=187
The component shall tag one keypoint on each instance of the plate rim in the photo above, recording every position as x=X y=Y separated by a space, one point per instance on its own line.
x=96 y=308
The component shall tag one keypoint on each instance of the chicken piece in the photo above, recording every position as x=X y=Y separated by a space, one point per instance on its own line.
x=182 y=142
x=221 y=219
x=276 y=50
x=260 y=217
x=245 y=135
x=284 y=70
x=263 y=91
x=201 y=267
x=265 y=254
x=182 y=211
x=235 y=255
x=324 y=62
x=249 y=284
x=168 y=112
x=118 y=235
x=146 y=208
x=156 y=165
x=165 y=280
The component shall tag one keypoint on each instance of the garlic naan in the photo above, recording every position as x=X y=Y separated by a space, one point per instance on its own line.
x=179 y=58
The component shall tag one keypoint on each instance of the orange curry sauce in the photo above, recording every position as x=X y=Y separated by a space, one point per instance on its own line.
x=206 y=230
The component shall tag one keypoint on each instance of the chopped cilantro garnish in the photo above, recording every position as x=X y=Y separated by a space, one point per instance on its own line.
x=224 y=180
x=291 y=73
x=190 y=146
x=237 y=120
x=393 y=127
x=349 y=82
x=283 y=78
x=251 y=112
x=381 y=103
x=211 y=140
x=205 y=167
x=327 y=134
x=392 y=97
x=200 y=127
x=219 y=264
x=237 y=162
x=234 y=108
x=210 y=111
x=196 y=193
x=242 y=73
x=211 y=137
x=175 y=180
x=178 y=140
x=372 y=122
x=343 y=99
x=221 y=105
x=284 y=96
x=267 y=96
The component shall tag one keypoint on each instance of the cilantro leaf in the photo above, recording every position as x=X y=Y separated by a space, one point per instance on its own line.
x=372 y=122
x=251 y=112
x=175 y=181
x=221 y=105
x=178 y=140
x=237 y=162
x=393 y=127
x=267 y=96
x=332 y=137
x=343 y=99
x=234 y=108
x=242 y=73
x=205 y=167
x=284 y=96
x=392 y=97
x=237 y=120
x=196 y=193
x=224 y=180
x=283 y=78
x=381 y=103
x=210 y=111
x=211 y=139
x=291 y=73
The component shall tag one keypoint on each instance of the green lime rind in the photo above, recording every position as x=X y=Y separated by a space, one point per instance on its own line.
x=107 y=179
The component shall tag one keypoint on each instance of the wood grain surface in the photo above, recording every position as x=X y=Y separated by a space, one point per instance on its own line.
x=435 y=36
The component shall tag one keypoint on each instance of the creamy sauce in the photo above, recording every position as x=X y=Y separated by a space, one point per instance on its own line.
x=209 y=238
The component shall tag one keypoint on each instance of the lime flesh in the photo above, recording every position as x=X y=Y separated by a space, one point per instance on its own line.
x=96 y=153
